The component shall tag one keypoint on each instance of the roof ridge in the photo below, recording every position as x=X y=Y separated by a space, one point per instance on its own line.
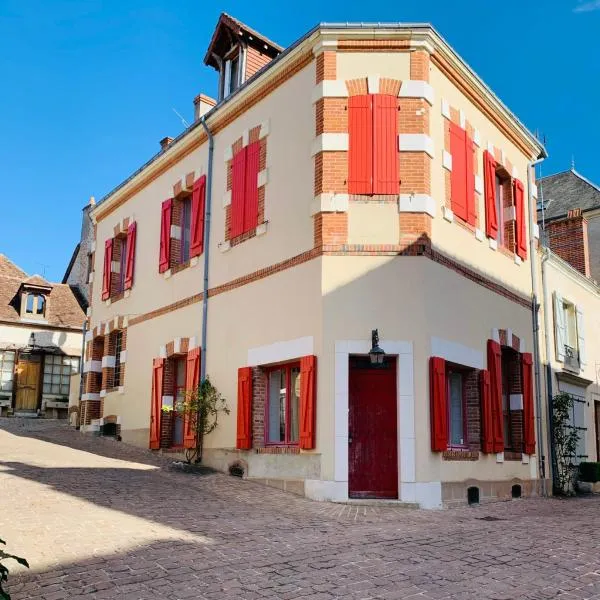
x=586 y=180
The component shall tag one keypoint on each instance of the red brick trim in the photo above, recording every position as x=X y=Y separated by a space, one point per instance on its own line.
x=278 y=450
x=460 y=455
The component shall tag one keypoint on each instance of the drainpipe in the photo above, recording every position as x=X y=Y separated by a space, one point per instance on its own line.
x=207 y=211
x=81 y=361
x=535 y=317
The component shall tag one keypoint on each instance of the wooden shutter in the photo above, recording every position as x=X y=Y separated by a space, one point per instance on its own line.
x=308 y=392
x=491 y=216
x=521 y=224
x=165 y=235
x=238 y=193
x=528 y=414
x=487 y=432
x=198 y=208
x=244 y=409
x=458 y=178
x=470 y=181
x=438 y=404
x=560 y=327
x=580 y=336
x=130 y=255
x=106 y=275
x=360 y=145
x=192 y=381
x=251 y=193
x=158 y=368
x=385 y=144
x=495 y=368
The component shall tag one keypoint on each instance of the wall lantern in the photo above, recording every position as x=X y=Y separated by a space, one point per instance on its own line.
x=376 y=354
x=31 y=345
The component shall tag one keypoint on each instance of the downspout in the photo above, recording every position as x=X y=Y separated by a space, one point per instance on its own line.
x=535 y=318
x=81 y=361
x=207 y=213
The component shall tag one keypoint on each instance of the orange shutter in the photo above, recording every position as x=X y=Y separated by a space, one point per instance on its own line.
x=165 y=235
x=244 y=409
x=360 y=145
x=158 y=367
x=251 y=183
x=487 y=431
x=495 y=368
x=130 y=255
x=521 y=225
x=198 y=206
x=192 y=381
x=470 y=181
x=528 y=414
x=238 y=193
x=385 y=144
x=458 y=178
x=489 y=174
x=308 y=392
x=438 y=404
x=106 y=276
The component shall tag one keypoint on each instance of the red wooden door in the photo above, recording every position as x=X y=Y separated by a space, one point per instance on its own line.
x=372 y=434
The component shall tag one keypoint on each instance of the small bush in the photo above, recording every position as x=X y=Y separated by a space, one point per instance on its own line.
x=589 y=471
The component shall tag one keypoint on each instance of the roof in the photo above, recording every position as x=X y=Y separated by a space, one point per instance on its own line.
x=71 y=263
x=565 y=191
x=63 y=307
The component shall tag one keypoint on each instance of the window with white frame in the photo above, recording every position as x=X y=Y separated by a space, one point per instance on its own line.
x=57 y=373
x=7 y=371
x=569 y=332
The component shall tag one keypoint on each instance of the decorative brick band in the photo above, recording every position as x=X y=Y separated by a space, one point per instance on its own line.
x=460 y=455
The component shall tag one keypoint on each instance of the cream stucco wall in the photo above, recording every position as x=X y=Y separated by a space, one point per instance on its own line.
x=373 y=223
x=17 y=336
x=395 y=65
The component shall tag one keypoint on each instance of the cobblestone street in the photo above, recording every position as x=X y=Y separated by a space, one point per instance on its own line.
x=99 y=519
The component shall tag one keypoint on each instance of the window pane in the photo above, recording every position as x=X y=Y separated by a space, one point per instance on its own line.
x=29 y=306
x=55 y=389
x=277 y=401
x=294 y=404
x=180 y=370
x=47 y=388
x=456 y=409
x=41 y=305
x=186 y=224
x=55 y=378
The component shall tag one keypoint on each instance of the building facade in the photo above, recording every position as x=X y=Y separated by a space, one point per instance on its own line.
x=362 y=179
x=41 y=341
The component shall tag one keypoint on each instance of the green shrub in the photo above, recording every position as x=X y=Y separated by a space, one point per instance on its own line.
x=589 y=471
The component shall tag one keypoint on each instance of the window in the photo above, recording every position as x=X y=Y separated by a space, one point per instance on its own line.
x=232 y=75
x=244 y=190
x=506 y=412
x=122 y=265
x=90 y=266
x=186 y=229
x=500 y=208
x=577 y=421
x=30 y=302
x=118 y=348
x=373 y=144
x=57 y=373
x=570 y=325
x=456 y=408
x=35 y=305
x=7 y=370
x=283 y=404
x=179 y=400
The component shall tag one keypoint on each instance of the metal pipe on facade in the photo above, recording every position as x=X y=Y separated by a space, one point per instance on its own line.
x=207 y=214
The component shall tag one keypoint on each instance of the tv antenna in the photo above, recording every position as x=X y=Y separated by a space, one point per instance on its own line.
x=185 y=123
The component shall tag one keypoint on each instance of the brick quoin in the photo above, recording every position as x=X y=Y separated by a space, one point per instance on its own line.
x=326 y=67
x=331 y=172
x=331 y=115
x=330 y=229
x=413 y=116
x=389 y=86
x=259 y=391
x=357 y=87
x=569 y=239
x=473 y=416
x=419 y=65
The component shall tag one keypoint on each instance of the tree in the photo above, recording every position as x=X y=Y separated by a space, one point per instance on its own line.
x=564 y=439
x=202 y=407
x=4 y=595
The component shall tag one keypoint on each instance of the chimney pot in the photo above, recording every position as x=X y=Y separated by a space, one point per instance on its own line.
x=202 y=104
x=165 y=142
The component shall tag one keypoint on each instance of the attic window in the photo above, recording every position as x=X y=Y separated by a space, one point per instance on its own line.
x=35 y=305
x=232 y=74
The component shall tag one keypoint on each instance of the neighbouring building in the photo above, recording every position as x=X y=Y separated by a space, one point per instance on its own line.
x=40 y=344
x=365 y=178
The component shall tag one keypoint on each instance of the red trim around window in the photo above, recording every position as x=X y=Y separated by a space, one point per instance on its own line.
x=288 y=396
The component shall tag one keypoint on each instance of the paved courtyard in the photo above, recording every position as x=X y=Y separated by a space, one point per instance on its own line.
x=99 y=519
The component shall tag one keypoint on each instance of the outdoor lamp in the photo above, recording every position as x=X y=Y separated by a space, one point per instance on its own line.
x=376 y=354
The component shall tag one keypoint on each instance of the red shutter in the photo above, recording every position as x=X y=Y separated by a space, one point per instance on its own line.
x=438 y=404
x=521 y=225
x=385 y=144
x=528 y=415
x=458 y=178
x=244 y=409
x=165 y=235
x=108 y=252
x=192 y=381
x=495 y=368
x=198 y=207
x=360 y=148
x=238 y=192
x=487 y=432
x=489 y=174
x=470 y=181
x=130 y=255
x=158 y=367
x=251 y=198
x=308 y=392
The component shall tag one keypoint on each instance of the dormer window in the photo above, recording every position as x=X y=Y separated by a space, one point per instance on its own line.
x=35 y=305
x=231 y=81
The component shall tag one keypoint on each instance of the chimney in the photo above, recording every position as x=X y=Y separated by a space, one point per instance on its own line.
x=202 y=104
x=165 y=142
x=568 y=238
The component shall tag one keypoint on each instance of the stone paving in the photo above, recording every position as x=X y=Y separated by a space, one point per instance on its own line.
x=98 y=519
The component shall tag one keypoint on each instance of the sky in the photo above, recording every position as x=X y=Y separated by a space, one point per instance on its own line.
x=88 y=88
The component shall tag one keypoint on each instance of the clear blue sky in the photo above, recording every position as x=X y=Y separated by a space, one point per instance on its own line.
x=88 y=87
